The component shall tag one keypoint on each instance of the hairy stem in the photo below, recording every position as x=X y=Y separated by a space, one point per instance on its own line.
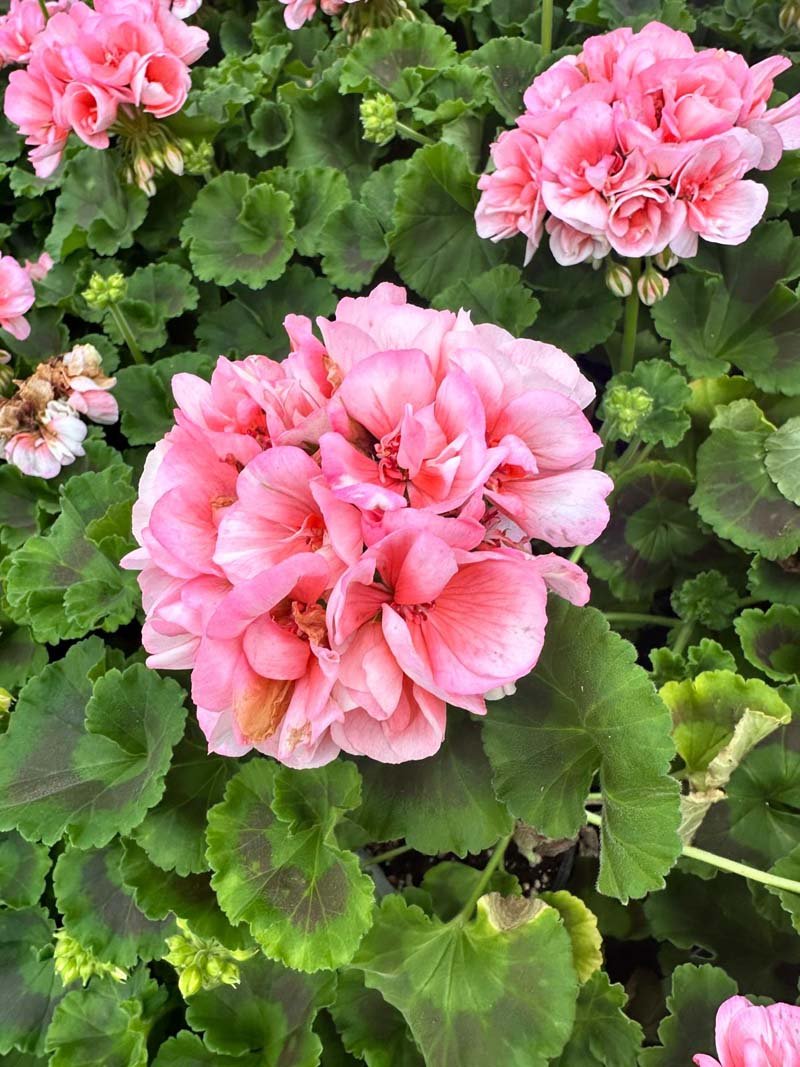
x=494 y=862
x=683 y=637
x=630 y=322
x=645 y=620
x=127 y=333
x=412 y=134
x=384 y=857
x=547 y=27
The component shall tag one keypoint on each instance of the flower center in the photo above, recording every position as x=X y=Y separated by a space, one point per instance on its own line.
x=386 y=451
x=414 y=612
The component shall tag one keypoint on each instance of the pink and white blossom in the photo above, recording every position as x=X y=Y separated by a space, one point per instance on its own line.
x=748 y=1035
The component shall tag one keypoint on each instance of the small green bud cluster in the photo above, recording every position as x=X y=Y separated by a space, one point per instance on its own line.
x=197 y=158
x=203 y=963
x=75 y=963
x=627 y=407
x=102 y=292
x=6 y=700
x=379 y=118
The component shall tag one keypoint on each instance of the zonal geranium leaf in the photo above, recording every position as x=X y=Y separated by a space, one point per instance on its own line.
x=603 y=1035
x=434 y=238
x=99 y=909
x=238 y=231
x=771 y=640
x=281 y=869
x=187 y=1050
x=696 y=994
x=705 y=715
x=60 y=583
x=23 y=867
x=667 y=421
x=652 y=531
x=29 y=986
x=782 y=459
x=315 y=193
x=173 y=833
x=778 y=581
x=587 y=708
x=509 y=63
x=95 y=1026
x=442 y=804
x=735 y=494
x=398 y=60
x=499 y=296
x=22 y=501
x=155 y=294
x=369 y=1027
x=575 y=317
x=449 y=886
x=353 y=246
x=88 y=761
x=581 y=925
x=271 y=1010
x=495 y=989
x=144 y=394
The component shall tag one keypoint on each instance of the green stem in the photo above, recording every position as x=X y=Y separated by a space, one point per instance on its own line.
x=631 y=321
x=634 y=617
x=127 y=333
x=749 y=601
x=547 y=27
x=494 y=862
x=384 y=857
x=45 y=12
x=576 y=553
x=683 y=637
x=469 y=36
x=412 y=134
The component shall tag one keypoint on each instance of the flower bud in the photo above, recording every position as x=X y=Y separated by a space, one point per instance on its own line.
x=619 y=279
x=190 y=981
x=666 y=260
x=652 y=286
x=197 y=158
x=789 y=17
x=379 y=118
x=626 y=408
x=144 y=170
x=202 y=962
x=101 y=292
x=74 y=962
x=5 y=701
x=173 y=159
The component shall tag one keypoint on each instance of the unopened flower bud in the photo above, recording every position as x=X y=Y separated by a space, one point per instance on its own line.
x=379 y=118
x=619 y=279
x=666 y=260
x=173 y=159
x=789 y=17
x=626 y=408
x=5 y=701
x=144 y=170
x=73 y=962
x=190 y=981
x=652 y=286
x=102 y=292
x=202 y=962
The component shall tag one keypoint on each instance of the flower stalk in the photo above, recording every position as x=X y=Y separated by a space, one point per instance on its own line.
x=494 y=862
x=547 y=27
x=631 y=321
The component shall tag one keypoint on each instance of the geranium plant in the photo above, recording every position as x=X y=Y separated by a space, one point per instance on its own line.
x=399 y=533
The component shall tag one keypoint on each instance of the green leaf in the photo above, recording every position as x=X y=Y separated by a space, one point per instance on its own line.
x=775 y=581
x=741 y=312
x=94 y=1026
x=735 y=494
x=156 y=293
x=696 y=994
x=187 y=1050
x=99 y=910
x=271 y=127
x=652 y=533
x=510 y=63
x=23 y=868
x=369 y=1027
x=589 y=709
x=271 y=1010
x=581 y=925
x=708 y=712
x=782 y=459
x=94 y=208
x=238 y=231
x=144 y=394
x=29 y=986
x=499 y=296
x=20 y=656
x=575 y=317
x=379 y=191
x=59 y=583
x=253 y=322
x=353 y=246
x=173 y=832
x=22 y=499
x=450 y=884
x=487 y=991
x=304 y=898
x=398 y=60
x=603 y=1035
x=708 y=599
x=315 y=193
x=709 y=655
x=668 y=420
x=442 y=804
x=771 y=640
x=434 y=237
x=91 y=778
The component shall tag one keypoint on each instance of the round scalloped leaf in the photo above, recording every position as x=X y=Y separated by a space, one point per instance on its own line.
x=271 y=1010
x=652 y=533
x=305 y=899
x=398 y=60
x=187 y=1050
x=776 y=581
x=696 y=994
x=95 y=1026
x=499 y=296
x=238 y=231
x=735 y=494
x=99 y=909
x=588 y=709
x=450 y=884
x=603 y=1035
x=783 y=459
x=87 y=760
x=475 y=993
x=353 y=246
x=442 y=804
x=369 y=1027
x=23 y=868
x=771 y=640
x=509 y=63
x=708 y=711
x=581 y=925
x=668 y=421
x=29 y=986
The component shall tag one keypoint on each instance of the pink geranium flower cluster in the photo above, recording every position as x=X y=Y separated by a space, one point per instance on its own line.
x=751 y=1036
x=86 y=64
x=339 y=544
x=638 y=144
